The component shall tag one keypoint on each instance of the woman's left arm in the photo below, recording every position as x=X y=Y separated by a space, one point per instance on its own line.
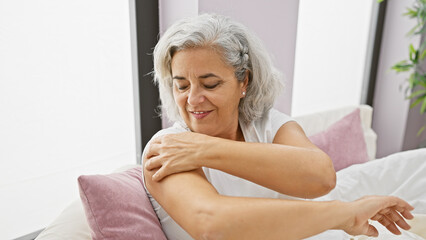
x=291 y=165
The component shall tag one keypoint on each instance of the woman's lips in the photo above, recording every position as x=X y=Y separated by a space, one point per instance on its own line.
x=200 y=114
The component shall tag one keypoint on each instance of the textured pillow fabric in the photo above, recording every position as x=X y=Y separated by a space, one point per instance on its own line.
x=343 y=141
x=117 y=207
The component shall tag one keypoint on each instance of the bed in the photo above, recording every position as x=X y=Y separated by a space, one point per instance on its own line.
x=401 y=174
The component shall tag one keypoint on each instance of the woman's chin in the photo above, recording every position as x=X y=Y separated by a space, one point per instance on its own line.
x=200 y=127
x=203 y=131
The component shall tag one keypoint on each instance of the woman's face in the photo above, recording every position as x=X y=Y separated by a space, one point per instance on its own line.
x=207 y=92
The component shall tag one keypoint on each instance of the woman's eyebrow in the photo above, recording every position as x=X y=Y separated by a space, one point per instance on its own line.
x=179 y=78
x=207 y=75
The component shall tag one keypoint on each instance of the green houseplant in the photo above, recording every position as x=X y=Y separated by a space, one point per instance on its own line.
x=417 y=79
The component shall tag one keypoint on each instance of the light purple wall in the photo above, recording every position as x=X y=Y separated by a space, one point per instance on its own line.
x=171 y=10
x=415 y=121
x=390 y=106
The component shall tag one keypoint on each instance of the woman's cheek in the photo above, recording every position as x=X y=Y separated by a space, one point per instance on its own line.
x=179 y=99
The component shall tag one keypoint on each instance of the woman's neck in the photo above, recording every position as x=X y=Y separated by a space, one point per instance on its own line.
x=236 y=135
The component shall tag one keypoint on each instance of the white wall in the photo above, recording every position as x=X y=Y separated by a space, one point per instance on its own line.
x=390 y=107
x=331 y=48
x=66 y=103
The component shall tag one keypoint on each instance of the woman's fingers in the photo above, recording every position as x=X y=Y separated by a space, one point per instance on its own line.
x=160 y=174
x=372 y=231
x=153 y=150
x=390 y=216
x=398 y=219
x=389 y=224
x=157 y=176
x=153 y=163
x=394 y=213
x=173 y=153
x=163 y=172
x=405 y=212
x=162 y=169
x=387 y=210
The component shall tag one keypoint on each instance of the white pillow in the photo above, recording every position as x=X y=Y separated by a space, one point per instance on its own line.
x=70 y=224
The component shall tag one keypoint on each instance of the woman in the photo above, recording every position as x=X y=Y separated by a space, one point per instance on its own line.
x=230 y=163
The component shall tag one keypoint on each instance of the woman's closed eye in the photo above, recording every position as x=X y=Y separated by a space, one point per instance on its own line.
x=182 y=87
x=211 y=86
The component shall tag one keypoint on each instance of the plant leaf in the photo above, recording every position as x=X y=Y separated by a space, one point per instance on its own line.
x=412 y=80
x=422 y=109
x=411 y=13
x=422 y=82
x=414 y=29
x=422 y=56
x=417 y=93
x=412 y=52
x=421 y=130
x=415 y=103
x=402 y=66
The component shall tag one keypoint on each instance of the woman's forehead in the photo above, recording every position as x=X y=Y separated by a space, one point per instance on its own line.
x=198 y=61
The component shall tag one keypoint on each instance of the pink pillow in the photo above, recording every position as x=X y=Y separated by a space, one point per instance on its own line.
x=343 y=141
x=117 y=207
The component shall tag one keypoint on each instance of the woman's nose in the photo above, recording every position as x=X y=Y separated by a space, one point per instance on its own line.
x=195 y=96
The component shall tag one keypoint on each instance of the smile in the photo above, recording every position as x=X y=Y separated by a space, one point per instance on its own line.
x=200 y=114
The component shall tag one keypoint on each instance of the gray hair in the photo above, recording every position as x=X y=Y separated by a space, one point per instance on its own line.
x=240 y=49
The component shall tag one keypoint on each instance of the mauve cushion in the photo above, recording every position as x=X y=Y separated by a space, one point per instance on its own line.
x=343 y=141
x=117 y=207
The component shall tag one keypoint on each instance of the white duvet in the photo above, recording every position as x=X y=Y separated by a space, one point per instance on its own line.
x=402 y=174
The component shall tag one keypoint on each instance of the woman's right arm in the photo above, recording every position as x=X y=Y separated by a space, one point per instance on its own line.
x=196 y=206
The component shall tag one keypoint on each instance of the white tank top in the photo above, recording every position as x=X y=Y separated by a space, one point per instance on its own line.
x=262 y=130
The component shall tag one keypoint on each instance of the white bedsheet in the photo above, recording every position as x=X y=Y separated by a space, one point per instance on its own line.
x=402 y=174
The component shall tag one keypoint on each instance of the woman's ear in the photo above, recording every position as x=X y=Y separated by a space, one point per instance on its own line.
x=245 y=82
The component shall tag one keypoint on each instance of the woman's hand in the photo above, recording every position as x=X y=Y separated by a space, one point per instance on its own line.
x=174 y=153
x=389 y=211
